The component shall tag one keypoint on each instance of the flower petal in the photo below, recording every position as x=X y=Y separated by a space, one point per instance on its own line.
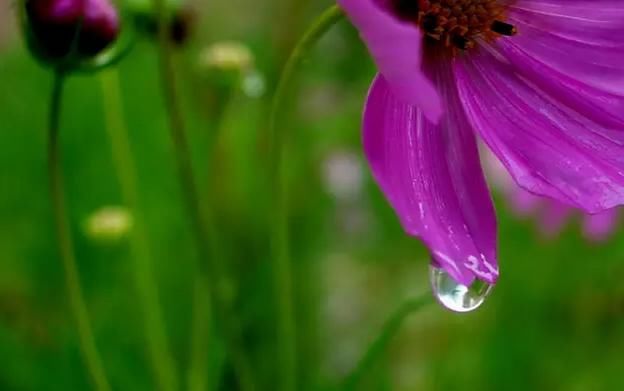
x=522 y=202
x=604 y=107
x=578 y=38
x=600 y=226
x=592 y=21
x=432 y=177
x=553 y=217
x=573 y=51
x=396 y=48
x=549 y=148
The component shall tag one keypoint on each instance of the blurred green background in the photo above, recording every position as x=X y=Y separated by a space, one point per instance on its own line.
x=555 y=321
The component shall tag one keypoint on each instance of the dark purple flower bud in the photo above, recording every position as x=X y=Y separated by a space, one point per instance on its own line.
x=81 y=28
x=180 y=21
x=181 y=26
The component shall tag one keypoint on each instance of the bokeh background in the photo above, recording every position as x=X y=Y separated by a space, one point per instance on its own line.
x=555 y=321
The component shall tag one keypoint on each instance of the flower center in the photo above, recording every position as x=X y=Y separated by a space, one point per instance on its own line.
x=452 y=25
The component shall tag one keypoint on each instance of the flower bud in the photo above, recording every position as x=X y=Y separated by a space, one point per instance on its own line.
x=225 y=65
x=70 y=29
x=180 y=19
x=109 y=224
x=181 y=26
x=226 y=56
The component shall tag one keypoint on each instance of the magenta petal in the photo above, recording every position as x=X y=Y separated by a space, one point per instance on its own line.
x=603 y=107
x=549 y=148
x=396 y=48
x=523 y=202
x=553 y=217
x=600 y=226
x=573 y=51
x=594 y=60
x=594 y=22
x=432 y=177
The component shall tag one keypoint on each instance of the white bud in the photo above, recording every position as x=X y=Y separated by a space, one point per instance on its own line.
x=109 y=224
x=226 y=56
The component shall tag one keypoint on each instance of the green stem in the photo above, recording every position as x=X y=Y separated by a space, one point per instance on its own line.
x=197 y=379
x=203 y=227
x=379 y=345
x=159 y=354
x=287 y=349
x=88 y=348
x=200 y=332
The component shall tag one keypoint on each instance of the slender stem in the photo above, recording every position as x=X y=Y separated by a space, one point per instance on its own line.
x=287 y=347
x=159 y=354
x=88 y=348
x=203 y=227
x=203 y=283
x=200 y=332
x=197 y=375
x=379 y=344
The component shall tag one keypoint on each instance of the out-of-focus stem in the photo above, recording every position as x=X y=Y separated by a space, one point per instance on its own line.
x=200 y=329
x=379 y=344
x=210 y=276
x=89 y=351
x=200 y=338
x=159 y=354
x=205 y=277
x=287 y=349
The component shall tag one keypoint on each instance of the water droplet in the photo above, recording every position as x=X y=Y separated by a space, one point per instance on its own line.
x=455 y=296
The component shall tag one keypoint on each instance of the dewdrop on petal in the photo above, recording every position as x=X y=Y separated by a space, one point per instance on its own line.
x=109 y=224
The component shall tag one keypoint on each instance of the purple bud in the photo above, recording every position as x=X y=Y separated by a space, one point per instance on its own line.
x=61 y=28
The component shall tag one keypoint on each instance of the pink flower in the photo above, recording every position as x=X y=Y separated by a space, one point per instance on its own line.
x=60 y=28
x=551 y=215
x=540 y=81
